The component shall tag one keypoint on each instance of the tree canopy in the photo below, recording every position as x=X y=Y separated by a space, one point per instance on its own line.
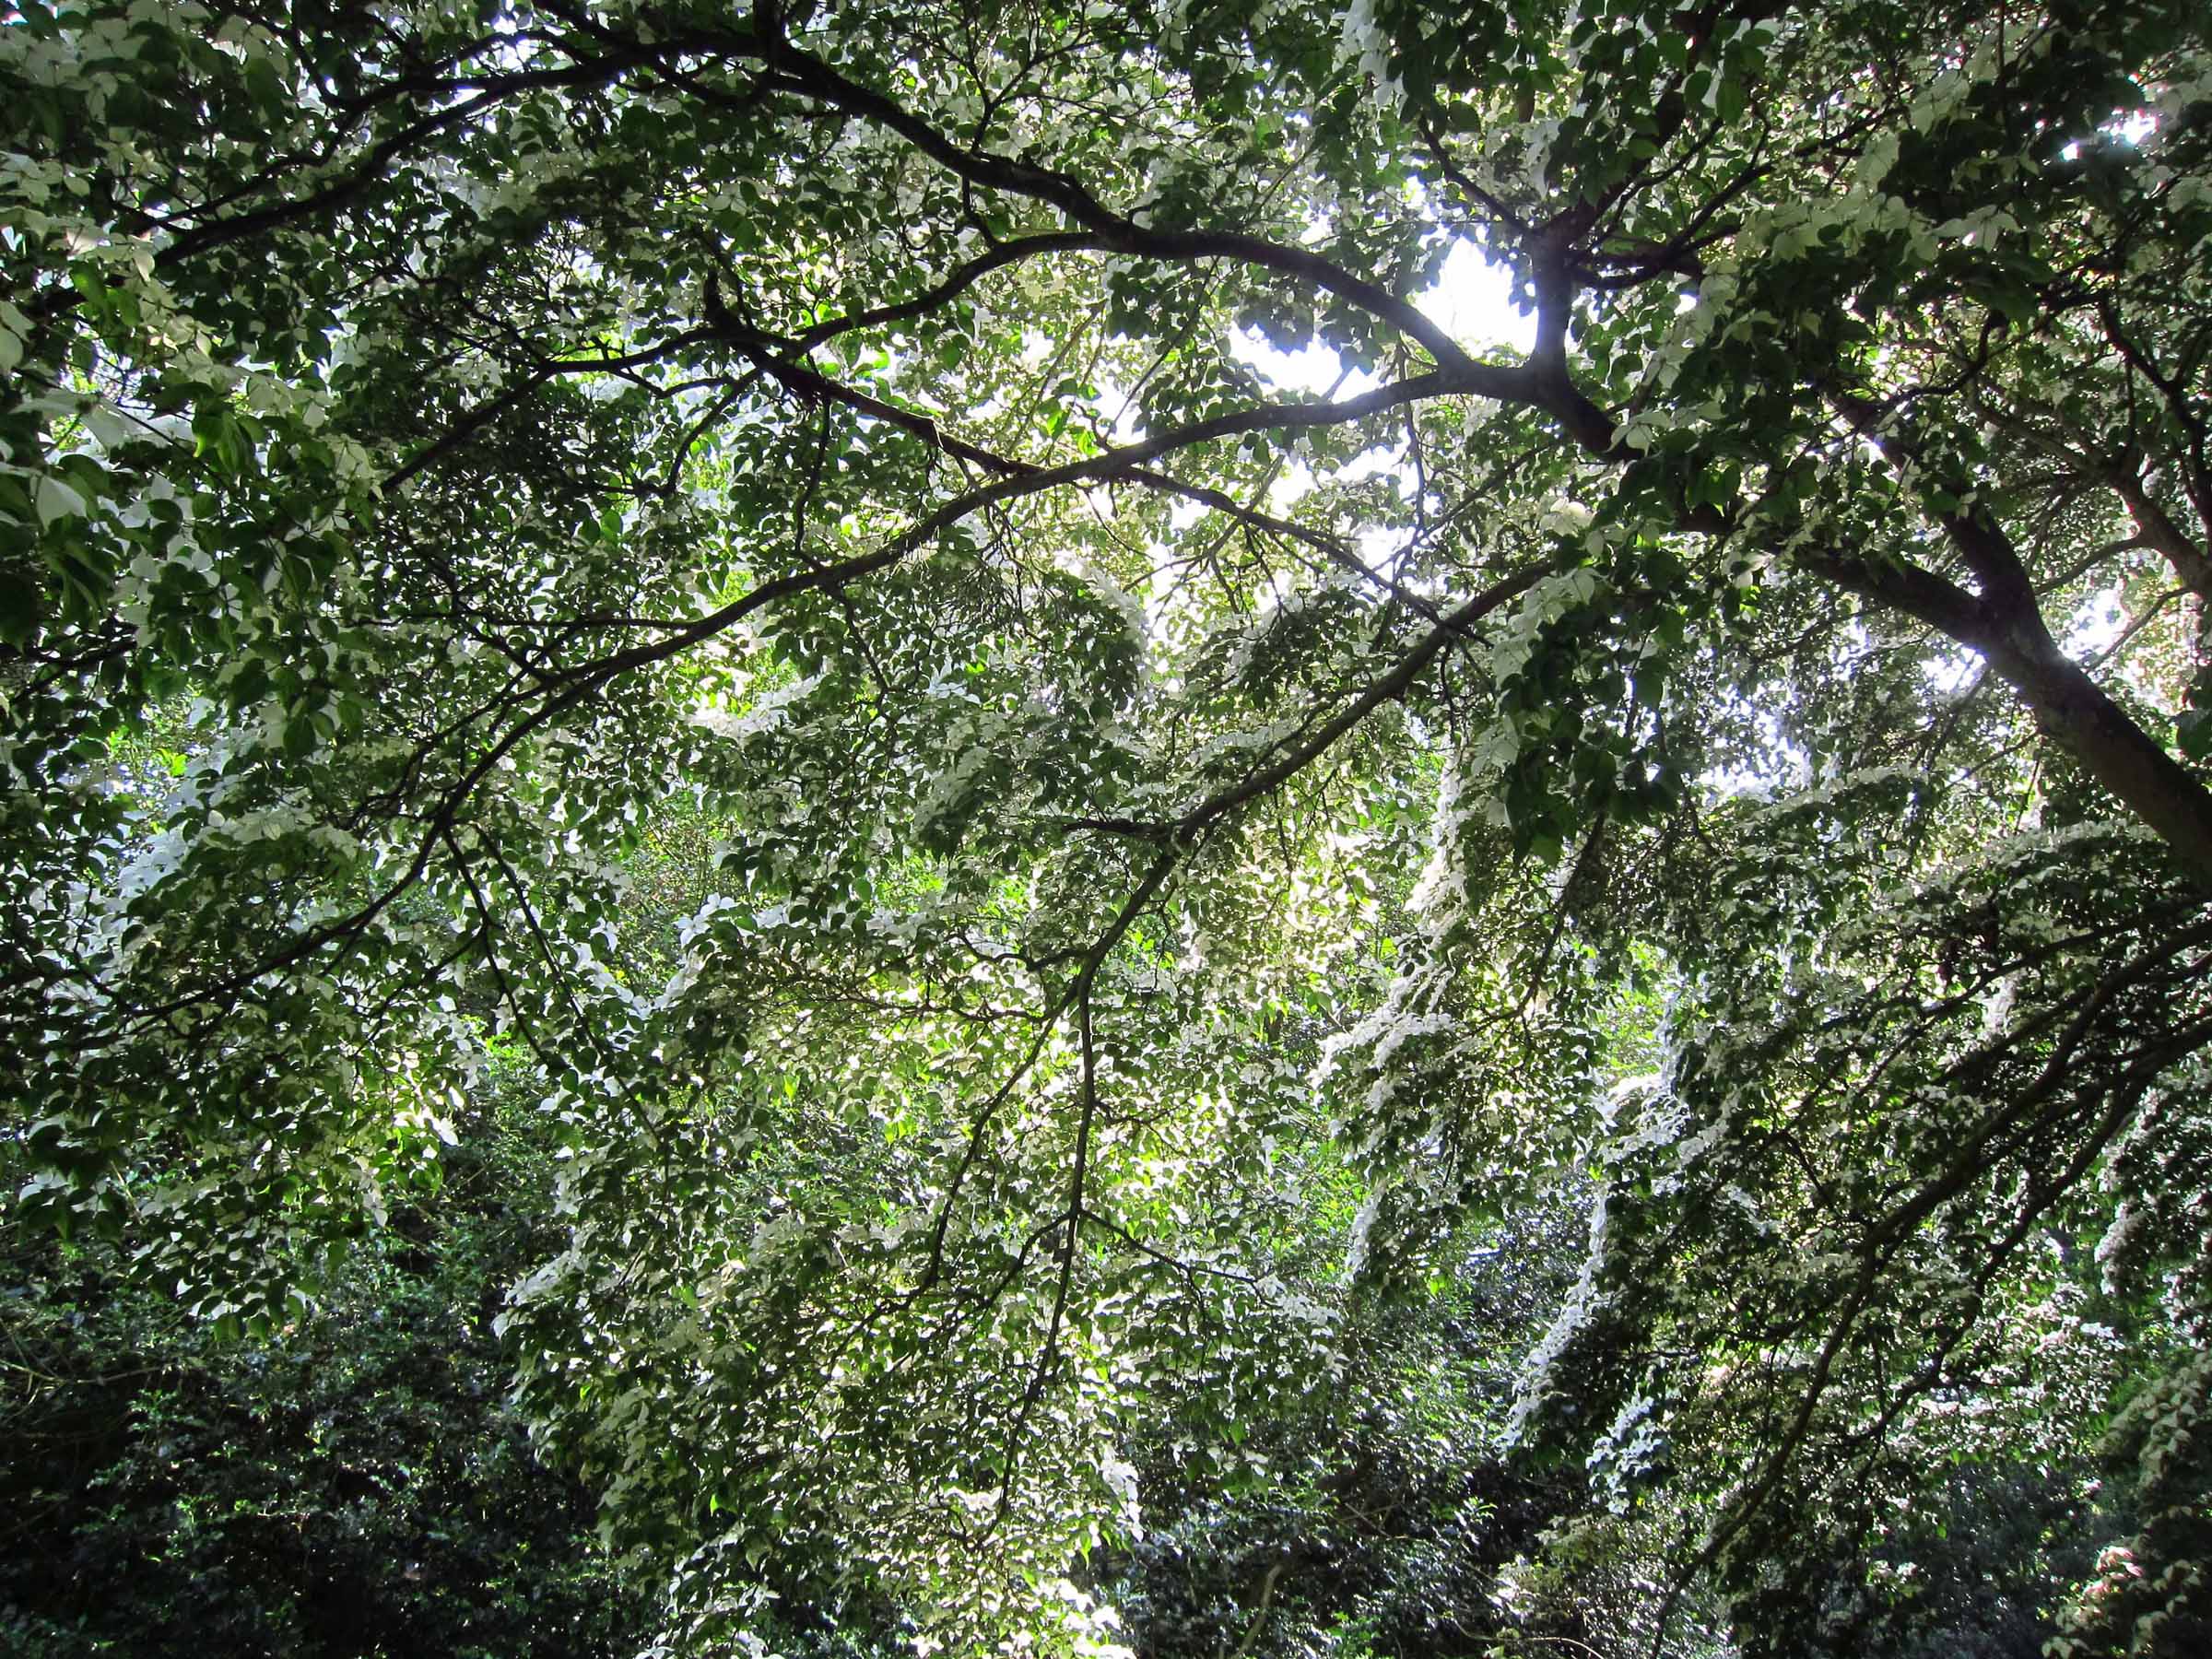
x=769 y=567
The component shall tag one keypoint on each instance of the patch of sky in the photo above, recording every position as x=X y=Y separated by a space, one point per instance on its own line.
x=2096 y=626
x=1471 y=299
x=2131 y=128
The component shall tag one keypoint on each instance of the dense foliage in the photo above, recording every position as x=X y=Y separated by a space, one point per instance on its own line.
x=1056 y=887
x=352 y=1484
